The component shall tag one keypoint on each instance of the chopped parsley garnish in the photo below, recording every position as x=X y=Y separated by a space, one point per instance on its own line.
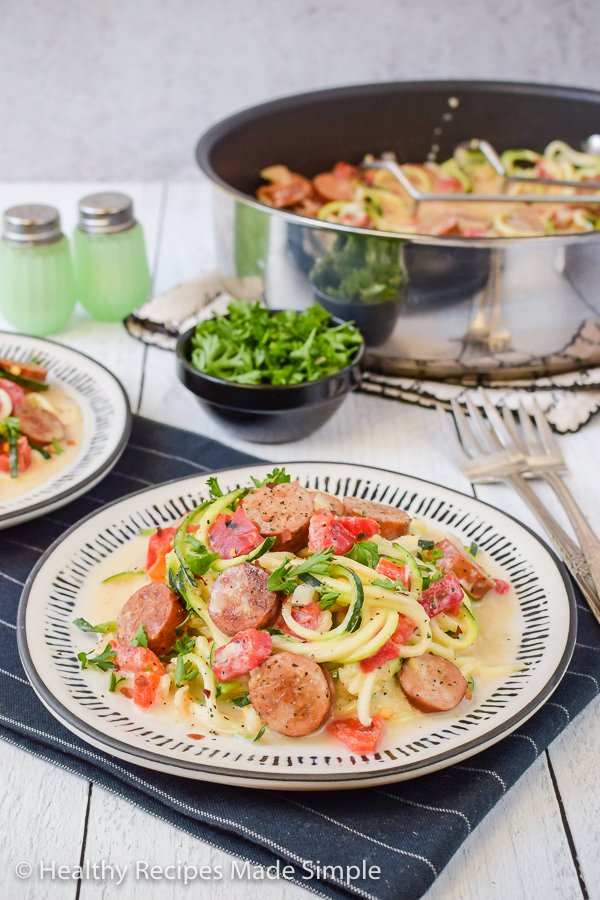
x=284 y=577
x=185 y=670
x=102 y=628
x=472 y=551
x=432 y=577
x=10 y=432
x=115 y=682
x=397 y=585
x=252 y=345
x=366 y=553
x=426 y=544
x=103 y=661
x=214 y=487
x=140 y=638
x=240 y=702
x=277 y=476
x=184 y=645
x=251 y=737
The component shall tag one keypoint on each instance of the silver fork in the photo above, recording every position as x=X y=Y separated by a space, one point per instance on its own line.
x=482 y=458
x=543 y=458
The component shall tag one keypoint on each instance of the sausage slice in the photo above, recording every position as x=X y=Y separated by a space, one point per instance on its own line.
x=26 y=369
x=282 y=511
x=157 y=608
x=240 y=599
x=470 y=574
x=291 y=694
x=337 y=507
x=394 y=522
x=39 y=425
x=432 y=683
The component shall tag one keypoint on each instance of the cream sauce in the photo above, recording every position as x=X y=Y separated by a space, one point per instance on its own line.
x=498 y=618
x=41 y=469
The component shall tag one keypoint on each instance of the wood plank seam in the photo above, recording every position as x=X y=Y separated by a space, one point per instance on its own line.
x=567 y=829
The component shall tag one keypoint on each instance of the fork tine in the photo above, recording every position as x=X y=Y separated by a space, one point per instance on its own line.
x=451 y=436
x=468 y=439
x=499 y=428
x=509 y=421
x=529 y=436
x=548 y=440
x=487 y=438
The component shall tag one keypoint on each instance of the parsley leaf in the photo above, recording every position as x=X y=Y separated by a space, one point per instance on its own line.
x=214 y=487
x=102 y=628
x=103 y=661
x=284 y=577
x=140 y=638
x=185 y=670
x=396 y=585
x=435 y=575
x=184 y=645
x=240 y=702
x=115 y=682
x=366 y=553
x=277 y=476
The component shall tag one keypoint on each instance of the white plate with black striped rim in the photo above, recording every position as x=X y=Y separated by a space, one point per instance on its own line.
x=59 y=589
x=106 y=425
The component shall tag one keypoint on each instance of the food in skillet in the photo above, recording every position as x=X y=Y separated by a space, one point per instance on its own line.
x=39 y=427
x=277 y=607
x=373 y=198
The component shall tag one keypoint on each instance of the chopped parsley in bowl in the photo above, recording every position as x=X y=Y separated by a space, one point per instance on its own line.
x=252 y=345
x=270 y=376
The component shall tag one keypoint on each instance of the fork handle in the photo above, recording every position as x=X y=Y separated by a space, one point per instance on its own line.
x=586 y=537
x=567 y=549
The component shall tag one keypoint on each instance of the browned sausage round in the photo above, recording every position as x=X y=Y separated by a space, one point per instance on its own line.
x=291 y=694
x=39 y=425
x=240 y=599
x=282 y=511
x=432 y=683
x=26 y=369
x=156 y=608
x=332 y=187
x=337 y=507
x=470 y=574
x=394 y=522
x=288 y=193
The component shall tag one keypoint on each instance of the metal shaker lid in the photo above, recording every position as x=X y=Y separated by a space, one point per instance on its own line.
x=106 y=213
x=30 y=224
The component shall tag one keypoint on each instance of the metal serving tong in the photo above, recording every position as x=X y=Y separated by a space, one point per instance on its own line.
x=492 y=157
x=495 y=452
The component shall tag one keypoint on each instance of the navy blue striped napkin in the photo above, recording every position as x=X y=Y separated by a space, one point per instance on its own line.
x=408 y=831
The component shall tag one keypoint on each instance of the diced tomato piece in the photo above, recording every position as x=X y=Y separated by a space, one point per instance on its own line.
x=360 y=527
x=357 y=737
x=385 y=654
x=502 y=587
x=393 y=571
x=136 y=659
x=159 y=545
x=145 y=686
x=23 y=456
x=244 y=652
x=326 y=531
x=14 y=391
x=442 y=595
x=392 y=649
x=234 y=535
x=309 y=616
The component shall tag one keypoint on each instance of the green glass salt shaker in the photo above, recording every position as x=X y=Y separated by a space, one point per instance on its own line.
x=37 y=286
x=111 y=267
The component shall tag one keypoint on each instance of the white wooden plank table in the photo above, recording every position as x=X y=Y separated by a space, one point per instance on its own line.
x=542 y=839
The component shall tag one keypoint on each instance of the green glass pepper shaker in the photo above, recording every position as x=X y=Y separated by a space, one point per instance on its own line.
x=111 y=267
x=37 y=287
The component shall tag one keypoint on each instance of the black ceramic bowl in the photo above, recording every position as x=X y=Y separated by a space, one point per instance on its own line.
x=265 y=413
